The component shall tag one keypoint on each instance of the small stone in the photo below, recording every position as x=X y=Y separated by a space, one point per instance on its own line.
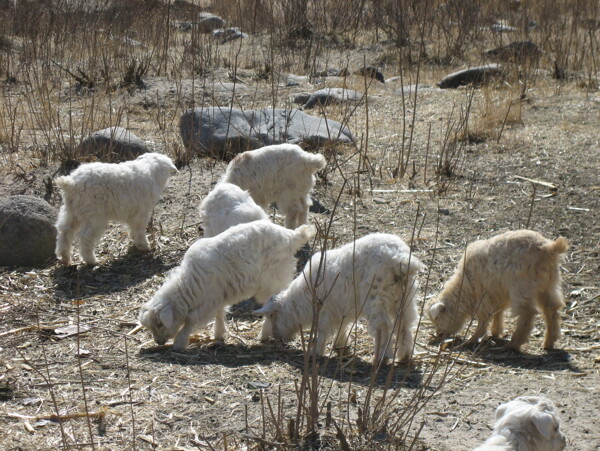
x=317 y=207
x=257 y=385
x=225 y=35
x=330 y=96
x=380 y=200
x=373 y=72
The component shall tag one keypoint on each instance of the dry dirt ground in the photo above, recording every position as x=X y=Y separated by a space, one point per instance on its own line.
x=209 y=397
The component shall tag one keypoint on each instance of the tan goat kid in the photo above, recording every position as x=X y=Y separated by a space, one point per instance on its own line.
x=517 y=269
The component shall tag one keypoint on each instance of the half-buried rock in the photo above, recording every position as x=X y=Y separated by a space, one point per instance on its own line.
x=472 y=76
x=27 y=232
x=112 y=144
x=521 y=52
x=328 y=96
x=223 y=132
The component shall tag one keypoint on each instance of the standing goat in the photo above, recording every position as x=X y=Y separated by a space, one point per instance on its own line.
x=254 y=259
x=282 y=173
x=517 y=269
x=228 y=205
x=528 y=423
x=373 y=277
x=96 y=193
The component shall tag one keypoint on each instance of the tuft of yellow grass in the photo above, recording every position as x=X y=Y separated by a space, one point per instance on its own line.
x=499 y=110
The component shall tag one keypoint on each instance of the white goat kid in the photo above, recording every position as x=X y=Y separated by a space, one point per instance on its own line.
x=96 y=193
x=528 y=423
x=254 y=259
x=282 y=173
x=517 y=269
x=373 y=277
x=228 y=205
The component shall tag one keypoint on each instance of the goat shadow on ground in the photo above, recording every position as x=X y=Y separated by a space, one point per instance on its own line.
x=341 y=368
x=113 y=276
x=491 y=351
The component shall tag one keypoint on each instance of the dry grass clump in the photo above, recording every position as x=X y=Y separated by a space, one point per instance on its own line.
x=500 y=109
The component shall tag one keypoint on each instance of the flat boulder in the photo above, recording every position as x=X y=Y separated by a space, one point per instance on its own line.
x=112 y=144
x=27 y=232
x=328 y=96
x=223 y=132
x=473 y=75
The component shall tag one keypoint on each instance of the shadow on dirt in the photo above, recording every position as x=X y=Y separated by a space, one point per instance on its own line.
x=492 y=350
x=556 y=360
x=341 y=368
x=115 y=276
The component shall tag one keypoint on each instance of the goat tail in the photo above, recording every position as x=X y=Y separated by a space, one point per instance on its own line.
x=304 y=233
x=316 y=161
x=558 y=246
x=65 y=183
x=408 y=264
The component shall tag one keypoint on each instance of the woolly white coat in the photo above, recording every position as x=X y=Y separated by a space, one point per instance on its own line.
x=96 y=193
x=528 y=423
x=373 y=277
x=228 y=205
x=247 y=260
x=282 y=173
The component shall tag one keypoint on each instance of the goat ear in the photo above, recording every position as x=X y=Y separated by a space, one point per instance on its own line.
x=500 y=411
x=543 y=423
x=166 y=317
x=144 y=316
x=436 y=309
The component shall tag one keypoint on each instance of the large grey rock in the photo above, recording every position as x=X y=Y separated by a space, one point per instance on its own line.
x=474 y=75
x=208 y=22
x=223 y=132
x=328 y=96
x=27 y=232
x=112 y=144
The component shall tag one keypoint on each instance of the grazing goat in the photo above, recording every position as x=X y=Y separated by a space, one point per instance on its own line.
x=528 y=423
x=228 y=205
x=373 y=277
x=96 y=193
x=282 y=173
x=517 y=269
x=254 y=259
